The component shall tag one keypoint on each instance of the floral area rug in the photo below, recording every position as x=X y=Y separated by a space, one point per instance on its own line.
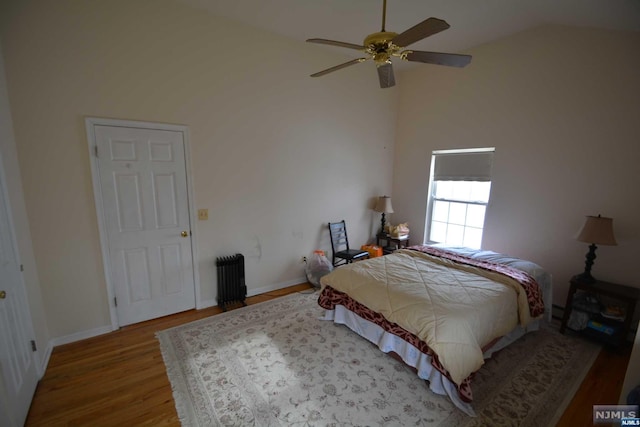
x=276 y=364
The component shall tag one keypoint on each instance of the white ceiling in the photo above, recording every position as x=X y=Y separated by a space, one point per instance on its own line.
x=473 y=22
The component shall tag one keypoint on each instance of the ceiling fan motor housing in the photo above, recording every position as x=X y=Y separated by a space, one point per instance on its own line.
x=380 y=46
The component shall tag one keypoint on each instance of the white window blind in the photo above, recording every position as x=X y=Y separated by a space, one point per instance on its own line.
x=467 y=166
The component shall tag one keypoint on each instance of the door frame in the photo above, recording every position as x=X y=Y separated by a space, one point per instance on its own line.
x=91 y=123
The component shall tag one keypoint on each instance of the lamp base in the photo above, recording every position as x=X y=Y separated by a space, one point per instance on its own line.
x=584 y=277
x=382 y=222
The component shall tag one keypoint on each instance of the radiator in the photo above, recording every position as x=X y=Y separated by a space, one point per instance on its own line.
x=231 y=284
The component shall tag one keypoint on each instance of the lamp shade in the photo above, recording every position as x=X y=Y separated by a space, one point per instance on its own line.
x=597 y=230
x=384 y=205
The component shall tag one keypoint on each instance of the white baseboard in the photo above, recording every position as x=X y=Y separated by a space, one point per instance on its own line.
x=54 y=342
x=256 y=291
x=275 y=287
x=45 y=359
x=206 y=304
x=78 y=336
x=67 y=339
x=82 y=335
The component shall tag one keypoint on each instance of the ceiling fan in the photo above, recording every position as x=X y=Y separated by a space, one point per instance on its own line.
x=382 y=46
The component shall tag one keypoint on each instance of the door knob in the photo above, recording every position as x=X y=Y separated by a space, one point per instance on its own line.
x=184 y=234
x=3 y=294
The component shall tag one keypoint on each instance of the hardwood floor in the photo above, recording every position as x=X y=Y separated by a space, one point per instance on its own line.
x=119 y=378
x=601 y=386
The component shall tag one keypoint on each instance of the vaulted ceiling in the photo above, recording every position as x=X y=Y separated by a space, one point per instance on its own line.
x=473 y=22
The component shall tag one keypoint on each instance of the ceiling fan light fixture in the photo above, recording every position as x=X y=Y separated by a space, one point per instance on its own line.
x=382 y=58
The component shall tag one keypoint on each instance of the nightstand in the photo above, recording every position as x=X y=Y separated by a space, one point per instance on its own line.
x=607 y=330
x=392 y=243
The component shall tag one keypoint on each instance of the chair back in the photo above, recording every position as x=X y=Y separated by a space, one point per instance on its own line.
x=339 y=239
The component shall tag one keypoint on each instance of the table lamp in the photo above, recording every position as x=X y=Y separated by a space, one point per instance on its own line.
x=596 y=230
x=383 y=205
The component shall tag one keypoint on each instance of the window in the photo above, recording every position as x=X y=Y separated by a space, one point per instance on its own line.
x=459 y=193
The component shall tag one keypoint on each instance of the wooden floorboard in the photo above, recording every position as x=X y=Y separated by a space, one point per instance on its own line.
x=119 y=379
x=601 y=386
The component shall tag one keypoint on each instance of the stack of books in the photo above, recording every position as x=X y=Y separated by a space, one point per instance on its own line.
x=609 y=330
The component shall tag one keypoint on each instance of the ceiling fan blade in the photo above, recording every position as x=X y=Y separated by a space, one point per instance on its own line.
x=385 y=75
x=338 y=67
x=426 y=28
x=450 y=59
x=336 y=43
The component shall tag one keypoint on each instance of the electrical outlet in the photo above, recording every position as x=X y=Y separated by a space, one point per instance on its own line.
x=203 y=214
x=304 y=259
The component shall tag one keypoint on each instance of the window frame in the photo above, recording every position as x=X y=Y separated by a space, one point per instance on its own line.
x=431 y=198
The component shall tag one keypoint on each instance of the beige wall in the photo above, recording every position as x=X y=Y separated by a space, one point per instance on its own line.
x=275 y=153
x=562 y=107
x=13 y=181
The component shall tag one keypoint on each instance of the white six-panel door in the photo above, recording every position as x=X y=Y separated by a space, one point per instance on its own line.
x=145 y=210
x=17 y=361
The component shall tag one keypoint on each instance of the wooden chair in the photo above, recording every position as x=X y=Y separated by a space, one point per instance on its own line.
x=340 y=245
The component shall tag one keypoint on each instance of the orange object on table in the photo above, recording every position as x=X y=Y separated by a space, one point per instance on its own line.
x=374 y=250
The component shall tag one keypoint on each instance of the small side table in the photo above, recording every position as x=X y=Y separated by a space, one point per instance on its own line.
x=387 y=248
x=625 y=295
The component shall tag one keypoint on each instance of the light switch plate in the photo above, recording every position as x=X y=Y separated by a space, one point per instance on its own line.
x=203 y=214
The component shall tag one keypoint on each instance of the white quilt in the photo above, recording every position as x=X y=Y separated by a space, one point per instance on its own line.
x=455 y=310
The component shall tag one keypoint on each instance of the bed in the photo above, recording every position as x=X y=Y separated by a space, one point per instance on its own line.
x=443 y=311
